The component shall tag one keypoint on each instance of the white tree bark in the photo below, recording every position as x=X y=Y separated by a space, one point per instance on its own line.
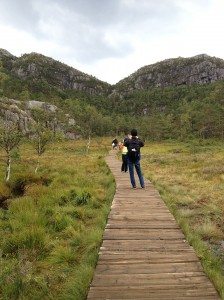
x=88 y=144
x=8 y=168
x=38 y=165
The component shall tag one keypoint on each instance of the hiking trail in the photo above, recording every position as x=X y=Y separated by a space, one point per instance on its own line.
x=144 y=254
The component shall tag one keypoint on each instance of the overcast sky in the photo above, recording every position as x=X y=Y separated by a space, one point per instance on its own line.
x=111 y=39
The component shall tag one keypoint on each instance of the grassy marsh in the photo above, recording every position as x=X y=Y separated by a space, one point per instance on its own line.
x=52 y=230
x=51 y=233
x=190 y=178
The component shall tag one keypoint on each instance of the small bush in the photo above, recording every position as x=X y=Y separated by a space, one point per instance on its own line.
x=209 y=231
x=63 y=200
x=18 y=277
x=78 y=214
x=59 y=222
x=96 y=204
x=29 y=238
x=70 y=197
x=83 y=199
x=64 y=254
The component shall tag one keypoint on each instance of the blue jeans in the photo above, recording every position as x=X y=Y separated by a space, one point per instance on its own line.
x=137 y=166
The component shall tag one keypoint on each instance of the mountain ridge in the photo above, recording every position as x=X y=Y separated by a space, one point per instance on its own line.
x=199 y=69
x=41 y=67
x=175 y=97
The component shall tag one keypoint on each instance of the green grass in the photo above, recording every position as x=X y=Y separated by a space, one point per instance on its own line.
x=51 y=233
x=52 y=230
x=190 y=178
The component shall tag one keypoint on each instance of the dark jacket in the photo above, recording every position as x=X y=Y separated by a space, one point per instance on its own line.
x=133 y=143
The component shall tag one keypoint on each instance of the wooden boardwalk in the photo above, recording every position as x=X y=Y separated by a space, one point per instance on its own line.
x=144 y=254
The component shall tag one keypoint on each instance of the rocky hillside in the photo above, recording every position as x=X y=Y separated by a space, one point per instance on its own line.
x=199 y=69
x=172 y=98
x=38 y=67
x=24 y=114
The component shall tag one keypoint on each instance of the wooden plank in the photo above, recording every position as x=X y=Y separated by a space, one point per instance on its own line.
x=143 y=217
x=150 y=245
x=146 y=257
x=150 y=279
x=144 y=254
x=139 y=225
x=143 y=234
x=152 y=292
x=149 y=293
x=139 y=211
x=147 y=268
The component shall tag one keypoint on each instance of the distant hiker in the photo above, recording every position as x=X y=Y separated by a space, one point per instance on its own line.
x=114 y=144
x=133 y=157
x=124 y=151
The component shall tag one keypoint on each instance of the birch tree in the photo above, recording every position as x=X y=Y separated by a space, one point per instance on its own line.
x=41 y=139
x=42 y=134
x=10 y=137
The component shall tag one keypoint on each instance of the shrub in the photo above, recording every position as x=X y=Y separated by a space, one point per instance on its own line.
x=83 y=199
x=209 y=230
x=70 y=197
x=64 y=254
x=29 y=238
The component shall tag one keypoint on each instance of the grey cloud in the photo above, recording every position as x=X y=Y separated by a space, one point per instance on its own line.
x=86 y=22
x=90 y=20
x=19 y=14
x=97 y=12
x=120 y=13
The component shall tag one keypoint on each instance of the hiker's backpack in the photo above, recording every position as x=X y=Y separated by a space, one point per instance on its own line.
x=133 y=150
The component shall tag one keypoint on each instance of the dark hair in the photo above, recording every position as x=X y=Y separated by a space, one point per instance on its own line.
x=134 y=132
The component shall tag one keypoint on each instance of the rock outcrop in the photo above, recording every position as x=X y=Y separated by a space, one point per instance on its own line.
x=22 y=114
x=199 y=69
x=12 y=111
x=41 y=68
x=34 y=104
x=4 y=53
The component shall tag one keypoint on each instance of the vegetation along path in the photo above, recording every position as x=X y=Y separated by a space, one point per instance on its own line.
x=144 y=254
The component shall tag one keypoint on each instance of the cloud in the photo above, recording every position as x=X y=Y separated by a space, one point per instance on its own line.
x=19 y=14
x=92 y=29
x=112 y=38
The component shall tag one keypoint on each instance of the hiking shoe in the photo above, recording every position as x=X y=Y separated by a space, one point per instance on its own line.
x=134 y=187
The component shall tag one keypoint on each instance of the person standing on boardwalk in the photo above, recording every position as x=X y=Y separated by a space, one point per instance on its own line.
x=114 y=144
x=133 y=145
x=124 y=151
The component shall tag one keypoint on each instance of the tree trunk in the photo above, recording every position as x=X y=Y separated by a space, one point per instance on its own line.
x=38 y=165
x=88 y=144
x=8 y=168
